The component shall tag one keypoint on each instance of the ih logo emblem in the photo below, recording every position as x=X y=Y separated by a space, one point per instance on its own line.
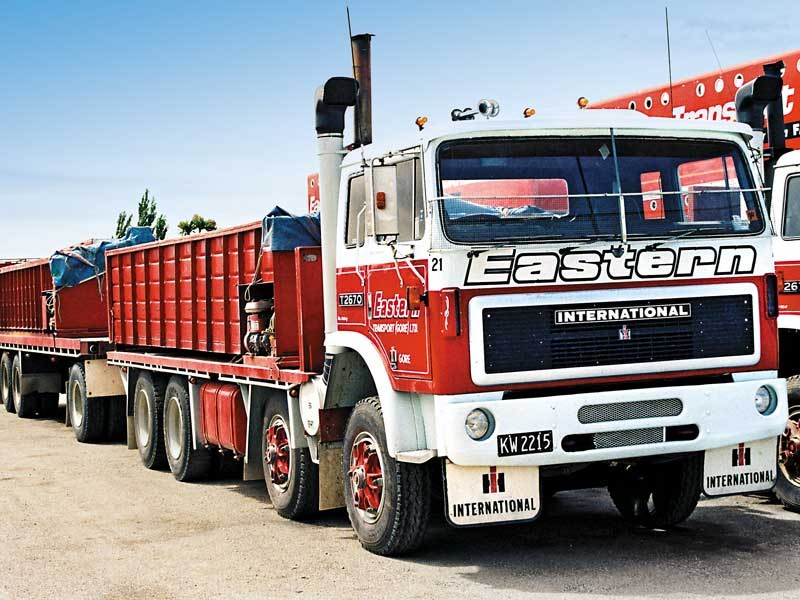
x=494 y=482
x=624 y=333
x=740 y=457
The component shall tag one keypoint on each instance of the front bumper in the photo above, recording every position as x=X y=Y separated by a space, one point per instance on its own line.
x=724 y=414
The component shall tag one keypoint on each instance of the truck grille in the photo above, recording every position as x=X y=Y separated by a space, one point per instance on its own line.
x=527 y=338
x=626 y=411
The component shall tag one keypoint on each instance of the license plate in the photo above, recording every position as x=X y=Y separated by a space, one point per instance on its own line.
x=484 y=495
x=740 y=469
x=532 y=442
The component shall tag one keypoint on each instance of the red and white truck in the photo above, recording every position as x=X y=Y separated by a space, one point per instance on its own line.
x=488 y=311
x=712 y=96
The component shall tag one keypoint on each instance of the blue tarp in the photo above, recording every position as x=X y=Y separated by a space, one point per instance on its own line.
x=284 y=231
x=69 y=268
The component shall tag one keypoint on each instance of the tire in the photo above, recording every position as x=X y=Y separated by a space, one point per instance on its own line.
x=148 y=411
x=291 y=476
x=27 y=405
x=390 y=515
x=787 y=486
x=87 y=415
x=660 y=496
x=6 y=364
x=185 y=462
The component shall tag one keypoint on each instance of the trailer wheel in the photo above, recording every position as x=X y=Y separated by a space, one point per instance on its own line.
x=27 y=405
x=388 y=502
x=787 y=487
x=659 y=496
x=87 y=415
x=185 y=462
x=5 y=382
x=148 y=411
x=291 y=476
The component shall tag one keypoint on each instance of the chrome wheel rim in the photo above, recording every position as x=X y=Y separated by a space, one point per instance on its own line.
x=16 y=385
x=173 y=429
x=789 y=448
x=142 y=418
x=76 y=405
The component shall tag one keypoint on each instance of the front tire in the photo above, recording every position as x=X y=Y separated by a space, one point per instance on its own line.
x=27 y=405
x=787 y=487
x=6 y=365
x=87 y=415
x=388 y=502
x=292 y=477
x=148 y=411
x=659 y=496
x=185 y=462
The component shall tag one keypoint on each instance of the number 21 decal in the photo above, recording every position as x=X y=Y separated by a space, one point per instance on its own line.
x=436 y=264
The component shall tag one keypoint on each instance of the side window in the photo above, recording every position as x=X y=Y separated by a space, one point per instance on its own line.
x=356 y=201
x=410 y=202
x=791 y=218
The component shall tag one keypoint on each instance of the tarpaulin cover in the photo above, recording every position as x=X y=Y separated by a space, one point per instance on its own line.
x=69 y=268
x=284 y=231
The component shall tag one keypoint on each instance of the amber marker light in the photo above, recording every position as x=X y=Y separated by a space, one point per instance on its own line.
x=583 y=102
x=421 y=122
x=528 y=112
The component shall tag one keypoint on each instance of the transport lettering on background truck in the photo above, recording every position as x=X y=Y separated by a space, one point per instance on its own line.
x=713 y=96
x=486 y=307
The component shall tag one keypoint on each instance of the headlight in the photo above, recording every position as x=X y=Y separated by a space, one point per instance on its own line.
x=766 y=400
x=479 y=424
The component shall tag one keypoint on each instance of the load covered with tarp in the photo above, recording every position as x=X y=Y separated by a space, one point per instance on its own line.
x=71 y=267
x=283 y=231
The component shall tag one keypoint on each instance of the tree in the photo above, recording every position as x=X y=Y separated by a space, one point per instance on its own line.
x=196 y=224
x=147 y=217
x=123 y=223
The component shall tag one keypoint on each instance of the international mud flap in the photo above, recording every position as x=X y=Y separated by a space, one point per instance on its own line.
x=740 y=469
x=491 y=495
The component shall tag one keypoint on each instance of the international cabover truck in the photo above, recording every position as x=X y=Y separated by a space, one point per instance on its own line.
x=713 y=96
x=488 y=310
x=54 y=339
x=635 y=354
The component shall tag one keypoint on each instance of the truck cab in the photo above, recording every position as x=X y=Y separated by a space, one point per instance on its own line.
x=528 y=306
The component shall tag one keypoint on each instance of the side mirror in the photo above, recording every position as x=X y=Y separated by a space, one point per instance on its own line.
x=383 y=201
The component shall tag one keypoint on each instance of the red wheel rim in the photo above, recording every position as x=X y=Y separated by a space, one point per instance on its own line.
x=789 y=450
x=366 y=477
x=277 y=453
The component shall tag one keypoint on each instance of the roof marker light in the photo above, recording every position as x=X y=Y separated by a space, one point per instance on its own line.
x=528 y=112
x=583 y=102
x=421 y=122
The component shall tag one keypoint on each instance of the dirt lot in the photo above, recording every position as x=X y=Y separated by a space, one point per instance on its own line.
x=82 y=521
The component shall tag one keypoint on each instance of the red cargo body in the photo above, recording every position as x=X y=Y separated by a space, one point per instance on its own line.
x=223 y=417
x=79 y=311
x=188 y=294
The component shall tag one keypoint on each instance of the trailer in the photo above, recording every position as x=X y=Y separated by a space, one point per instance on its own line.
x=54 y=339
x=481 y=315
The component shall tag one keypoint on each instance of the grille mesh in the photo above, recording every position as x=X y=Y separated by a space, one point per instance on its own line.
x=626 y=411
x=630 y=437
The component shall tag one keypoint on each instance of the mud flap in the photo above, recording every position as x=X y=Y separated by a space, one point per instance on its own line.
x=740 y=469
x=491 y=495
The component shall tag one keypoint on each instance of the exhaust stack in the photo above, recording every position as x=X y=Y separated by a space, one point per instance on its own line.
x=331 y=103
x=362 y=72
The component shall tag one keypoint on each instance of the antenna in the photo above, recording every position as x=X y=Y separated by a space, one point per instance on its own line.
x=669 y=55
x=714 y=50
x=350 y=33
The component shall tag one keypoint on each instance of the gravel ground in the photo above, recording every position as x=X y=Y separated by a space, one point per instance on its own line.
x=88 y=521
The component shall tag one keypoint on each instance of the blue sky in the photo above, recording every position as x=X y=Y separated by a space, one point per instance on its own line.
x=209 y=104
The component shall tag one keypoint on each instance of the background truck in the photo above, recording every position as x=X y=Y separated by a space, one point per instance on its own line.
x=713 y=96
x=482 y=314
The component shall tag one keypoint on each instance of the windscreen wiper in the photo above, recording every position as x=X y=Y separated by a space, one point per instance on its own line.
x=600 y=237
x=683 y=234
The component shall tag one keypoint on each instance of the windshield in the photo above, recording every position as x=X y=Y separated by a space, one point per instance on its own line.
x=512 y=189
